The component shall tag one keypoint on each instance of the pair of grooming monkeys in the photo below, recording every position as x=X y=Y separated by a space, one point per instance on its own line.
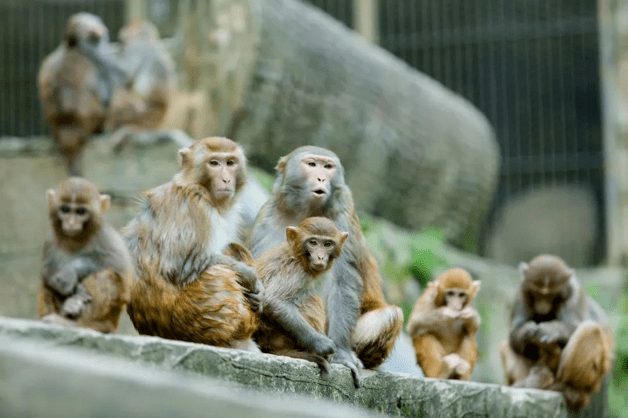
x=182 y=276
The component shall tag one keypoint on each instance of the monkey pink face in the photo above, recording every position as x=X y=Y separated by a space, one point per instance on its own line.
x=73 y=217
x=320 y=251
x=222 y=169
x=319 y=171
x=456 y=298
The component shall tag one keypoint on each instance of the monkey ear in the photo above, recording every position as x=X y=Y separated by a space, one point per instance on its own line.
x=343 y=237
x=105 y=202
x=52 y=199
x=523 y=268
x=281 y=165
x=185 y=156
x=291 y=233
x=475 y=287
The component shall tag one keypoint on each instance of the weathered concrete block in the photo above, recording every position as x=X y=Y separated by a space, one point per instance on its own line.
x=394 y=394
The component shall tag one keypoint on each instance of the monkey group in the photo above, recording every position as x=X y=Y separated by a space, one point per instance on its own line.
x=303 y=283
x=85 y=87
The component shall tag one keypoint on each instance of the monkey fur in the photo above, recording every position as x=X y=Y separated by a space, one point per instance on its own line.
x=443 y=326
x=560 y=338
x=75 y=89
x=144 y=100
x=87 y=271
x=310 y=182
x=294 y=318
x=187 y=289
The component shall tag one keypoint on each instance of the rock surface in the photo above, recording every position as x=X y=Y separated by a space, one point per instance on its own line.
x=394 y=394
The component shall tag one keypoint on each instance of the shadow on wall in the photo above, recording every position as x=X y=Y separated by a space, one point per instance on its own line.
x=559 y=220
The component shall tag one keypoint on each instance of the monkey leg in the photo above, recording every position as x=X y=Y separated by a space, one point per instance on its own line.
x=454 y=367
x=468 y=353
x=375 y=334
x=429 y=354
x=48 y=302
x=109 y=294
x=515 y=367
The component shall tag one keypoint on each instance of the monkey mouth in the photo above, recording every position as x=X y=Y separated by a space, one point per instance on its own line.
x=320 y=192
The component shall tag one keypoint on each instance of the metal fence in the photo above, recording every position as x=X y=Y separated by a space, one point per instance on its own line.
x=531 y=66
x=30 y=30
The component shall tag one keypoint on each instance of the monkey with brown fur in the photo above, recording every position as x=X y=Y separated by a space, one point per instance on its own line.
x=143 y=102
x=310 y=182
x=559 y=339
x=75 y=89
x=293 y=319
x=187 y=289
x=443 y=326
x=87 y=270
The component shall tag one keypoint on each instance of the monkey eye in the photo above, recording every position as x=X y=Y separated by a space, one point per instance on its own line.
x=327 y=244
x=231 y=162
x=80 y=211
x=450 y=293
x=312 y=242
x=214 y=163
x=312 y=164
x=329 y=166
x=65 y=209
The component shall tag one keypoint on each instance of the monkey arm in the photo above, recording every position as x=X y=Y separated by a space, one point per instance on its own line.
x=288 y=317
x=428 y=320
x=64 y=280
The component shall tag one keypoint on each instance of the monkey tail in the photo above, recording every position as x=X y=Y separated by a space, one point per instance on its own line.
x=306 y=355
x=375 y=334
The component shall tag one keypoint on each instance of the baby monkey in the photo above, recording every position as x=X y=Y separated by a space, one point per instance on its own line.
x=294 y=319
x=87 y=269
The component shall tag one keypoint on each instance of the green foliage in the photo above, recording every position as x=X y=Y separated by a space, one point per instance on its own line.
x=265 y=179
x=426 y=258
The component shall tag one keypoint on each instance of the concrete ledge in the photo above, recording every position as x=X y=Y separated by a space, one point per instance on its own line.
x=394 y=394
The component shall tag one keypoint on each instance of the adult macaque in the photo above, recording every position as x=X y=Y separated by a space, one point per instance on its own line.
x=559 y=338
x=293 y=320
x=87 y=270
x=443 y=326
x=310 y=182
x=76 y=83
x=187 y=289
x=143 y=102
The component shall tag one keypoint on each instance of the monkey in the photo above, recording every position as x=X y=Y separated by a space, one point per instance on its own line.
x=87 y=271
x=76 y=82
x=143 y=101
x=560 y=338
x=186 y=287
x=310 y=182
x=443 y=326
x=293 y=319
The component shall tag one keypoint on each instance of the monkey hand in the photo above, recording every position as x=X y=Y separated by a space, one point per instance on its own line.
x=548 y=334
x=348 y=358
x=73 y=307
x=323 y=345
x=449 y=313
x=255 y=299
x=64 y=281
x=530 y=331
x=468 y=313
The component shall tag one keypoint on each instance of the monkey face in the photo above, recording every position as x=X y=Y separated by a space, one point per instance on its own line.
x=546 y=294
x=87 y=31
x=319 y=171
x=221 y=170
x=73 y=218
x=455 y=298
x=320 y=252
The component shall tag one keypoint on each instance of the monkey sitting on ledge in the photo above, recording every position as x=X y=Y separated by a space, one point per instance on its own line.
x=559 y=339
x=186 y=288
x=87 y=269
x=294 y=319
x=443 y=326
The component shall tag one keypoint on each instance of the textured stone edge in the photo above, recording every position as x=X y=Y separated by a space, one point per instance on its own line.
x=395 y=394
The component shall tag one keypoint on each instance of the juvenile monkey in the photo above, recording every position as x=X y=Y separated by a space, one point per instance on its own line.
x=87 y=270
x=75 y=83
x=143 y=102
x=187 y=289
x=310 y=182
x=293 y=320
x=443 y=326
x=559 y=339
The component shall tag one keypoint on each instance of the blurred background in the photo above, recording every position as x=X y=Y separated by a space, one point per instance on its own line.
x=550 y=77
